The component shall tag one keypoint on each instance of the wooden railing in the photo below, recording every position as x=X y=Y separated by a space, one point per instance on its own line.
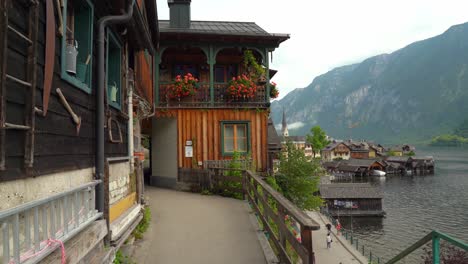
x=279 y=217
x=202 y=98
x=244 y=164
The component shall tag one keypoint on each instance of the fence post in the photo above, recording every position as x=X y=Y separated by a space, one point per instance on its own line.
x=244 y=178
x=435 y=249
x=306 y=238
x=281 y=216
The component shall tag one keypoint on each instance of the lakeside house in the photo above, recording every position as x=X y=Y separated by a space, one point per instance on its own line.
x=67 y=127
x=193 y=132
x=352 y=199
x=336 y=150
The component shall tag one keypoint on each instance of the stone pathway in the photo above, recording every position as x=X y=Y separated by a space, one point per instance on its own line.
x=340 y=252
x=194 y=228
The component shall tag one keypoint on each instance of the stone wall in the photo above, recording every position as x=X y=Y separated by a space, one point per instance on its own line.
x=14 y=193
x=119 y=181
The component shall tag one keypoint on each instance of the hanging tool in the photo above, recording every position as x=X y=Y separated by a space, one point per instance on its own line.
x=76 y=118
x=49 y=53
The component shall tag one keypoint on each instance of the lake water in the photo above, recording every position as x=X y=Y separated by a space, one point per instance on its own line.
x=416 y=205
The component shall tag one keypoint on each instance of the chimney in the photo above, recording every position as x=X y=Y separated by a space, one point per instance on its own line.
x=179 y=13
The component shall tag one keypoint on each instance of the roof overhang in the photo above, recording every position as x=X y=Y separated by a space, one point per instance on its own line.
x=271 y=40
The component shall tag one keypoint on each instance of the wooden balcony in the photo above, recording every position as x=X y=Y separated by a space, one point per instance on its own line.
x=204 y=95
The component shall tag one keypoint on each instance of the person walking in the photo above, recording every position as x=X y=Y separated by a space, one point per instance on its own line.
x=338 y=227
x=329 y=241
x=328 y=227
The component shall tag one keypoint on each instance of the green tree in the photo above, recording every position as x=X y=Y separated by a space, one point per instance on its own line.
x=317 y=139
x=299 y=178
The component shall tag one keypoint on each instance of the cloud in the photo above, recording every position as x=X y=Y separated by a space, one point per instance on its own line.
x=295 y=125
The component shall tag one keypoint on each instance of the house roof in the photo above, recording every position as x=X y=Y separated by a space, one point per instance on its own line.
x=347 y=168
x=333 y=145
x=220 y=28
x=274 y=142
x=395 y=165
x=296 y=138
x=362 y=162
x=350 y=190
x=398 y=159
x=427 y=158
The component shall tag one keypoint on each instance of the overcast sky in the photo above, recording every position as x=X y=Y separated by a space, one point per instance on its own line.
x=329 y=33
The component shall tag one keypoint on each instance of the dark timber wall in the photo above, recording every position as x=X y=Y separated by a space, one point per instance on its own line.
x=57 y=147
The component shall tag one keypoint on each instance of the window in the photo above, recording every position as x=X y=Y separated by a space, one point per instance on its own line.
x=235 y=137
x=77 y=43
x=182 y=69
x=224 y=73
x=114 y=78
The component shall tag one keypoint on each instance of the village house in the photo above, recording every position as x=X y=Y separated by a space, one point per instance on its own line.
x=358 y=150
x=75 y=81
x=224 y=111
x=300 y=142
x=336 y=150
x=352 y=199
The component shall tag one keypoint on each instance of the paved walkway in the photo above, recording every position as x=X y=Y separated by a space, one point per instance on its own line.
x=193 y=228
x=341 y=250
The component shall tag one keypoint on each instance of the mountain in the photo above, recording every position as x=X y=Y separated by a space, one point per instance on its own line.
x=410 y=95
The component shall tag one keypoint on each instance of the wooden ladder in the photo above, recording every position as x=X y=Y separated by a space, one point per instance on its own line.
x=30 y=82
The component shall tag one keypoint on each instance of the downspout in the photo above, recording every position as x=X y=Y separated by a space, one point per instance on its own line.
x=130 y=127
x=100 y=156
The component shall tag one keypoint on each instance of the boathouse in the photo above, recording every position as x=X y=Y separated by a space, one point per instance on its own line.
x=352 y=199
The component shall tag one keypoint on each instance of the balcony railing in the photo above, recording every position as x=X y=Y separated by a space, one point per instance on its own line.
x=33 y=230
x=202 y=98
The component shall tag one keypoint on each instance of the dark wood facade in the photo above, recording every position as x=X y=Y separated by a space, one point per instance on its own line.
x=57 y=146
x=354 y=207
x=352 y=199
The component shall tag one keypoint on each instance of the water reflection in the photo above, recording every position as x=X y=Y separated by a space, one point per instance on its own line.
x=416 y=205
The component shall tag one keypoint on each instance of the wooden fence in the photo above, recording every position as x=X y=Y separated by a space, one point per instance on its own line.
x=245 y=164
x=280 y=218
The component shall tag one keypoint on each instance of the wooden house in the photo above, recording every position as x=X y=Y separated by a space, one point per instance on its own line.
x=300 y=142
x=336 y=150
x=352 y=199
x=208 y=123
x=73 y=74
x=360 y=150
x=396 y=151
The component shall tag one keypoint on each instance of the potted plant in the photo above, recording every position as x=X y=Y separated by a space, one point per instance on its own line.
x=241 y=87
x=183 y=86
x=274 y=92
x=256 y=71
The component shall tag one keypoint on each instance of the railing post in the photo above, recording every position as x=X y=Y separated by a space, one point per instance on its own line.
x=281 y=216
x=306 y=238
x=435 y=249
x=244 y=177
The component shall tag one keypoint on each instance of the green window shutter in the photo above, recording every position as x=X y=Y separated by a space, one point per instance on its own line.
x=114 y=78
x=83 y=34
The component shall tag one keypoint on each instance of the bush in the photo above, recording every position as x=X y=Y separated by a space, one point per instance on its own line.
x=299 y=178
x=142 y=227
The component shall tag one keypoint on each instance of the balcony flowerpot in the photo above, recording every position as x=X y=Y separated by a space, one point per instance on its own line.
x=139 y=155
